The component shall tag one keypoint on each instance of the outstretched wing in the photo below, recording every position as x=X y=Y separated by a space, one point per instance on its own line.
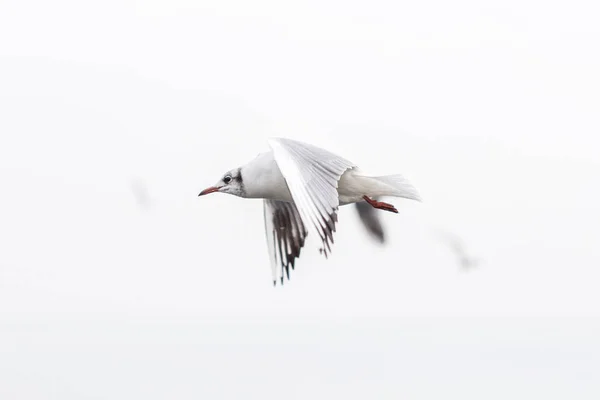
x=285 y=236
x=370 y=220
x=312 y=176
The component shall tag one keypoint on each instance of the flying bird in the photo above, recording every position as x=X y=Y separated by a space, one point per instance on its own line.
x=140 y=192
x=302 y=186
x=456 y=244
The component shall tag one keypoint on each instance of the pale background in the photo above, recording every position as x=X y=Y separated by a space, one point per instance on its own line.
x=118 y=282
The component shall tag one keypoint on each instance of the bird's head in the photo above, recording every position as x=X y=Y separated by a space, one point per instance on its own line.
x=231 y=183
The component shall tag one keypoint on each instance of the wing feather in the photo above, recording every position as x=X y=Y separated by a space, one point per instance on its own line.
x=371 y=220
x=312 y=176
x=285 y=236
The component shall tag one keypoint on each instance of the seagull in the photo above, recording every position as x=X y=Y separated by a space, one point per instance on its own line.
x=302 y=187
x=456 y=244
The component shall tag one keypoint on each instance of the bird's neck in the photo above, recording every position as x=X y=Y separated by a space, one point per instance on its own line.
x=263 y=179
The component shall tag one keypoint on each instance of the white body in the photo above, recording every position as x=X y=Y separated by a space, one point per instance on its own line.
x=265 y=181
x=302 y=186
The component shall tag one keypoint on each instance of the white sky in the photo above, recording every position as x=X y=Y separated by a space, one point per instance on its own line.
x=491 y=110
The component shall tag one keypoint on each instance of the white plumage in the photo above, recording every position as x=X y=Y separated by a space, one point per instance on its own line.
x=302 y=186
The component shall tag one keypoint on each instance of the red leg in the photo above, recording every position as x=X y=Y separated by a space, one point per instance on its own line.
x=380 y=205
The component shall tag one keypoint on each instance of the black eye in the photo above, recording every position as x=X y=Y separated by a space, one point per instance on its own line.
x=227 y=179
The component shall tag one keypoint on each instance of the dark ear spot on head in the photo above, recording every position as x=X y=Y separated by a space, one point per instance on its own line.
x=239 y=176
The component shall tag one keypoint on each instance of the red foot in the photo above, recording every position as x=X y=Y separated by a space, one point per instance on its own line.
x=380 y=205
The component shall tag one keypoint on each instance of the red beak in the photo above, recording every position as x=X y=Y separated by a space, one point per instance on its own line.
x=211 y=189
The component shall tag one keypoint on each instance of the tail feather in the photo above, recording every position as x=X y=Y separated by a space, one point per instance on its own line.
x=400 y=187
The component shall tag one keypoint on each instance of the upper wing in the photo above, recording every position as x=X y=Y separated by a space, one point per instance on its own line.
x=312 y=176
x=371 y=221
x=285 y=236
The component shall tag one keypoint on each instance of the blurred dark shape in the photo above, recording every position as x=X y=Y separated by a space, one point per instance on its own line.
x=456 y=244
x=371 y=221
x=140 y=192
